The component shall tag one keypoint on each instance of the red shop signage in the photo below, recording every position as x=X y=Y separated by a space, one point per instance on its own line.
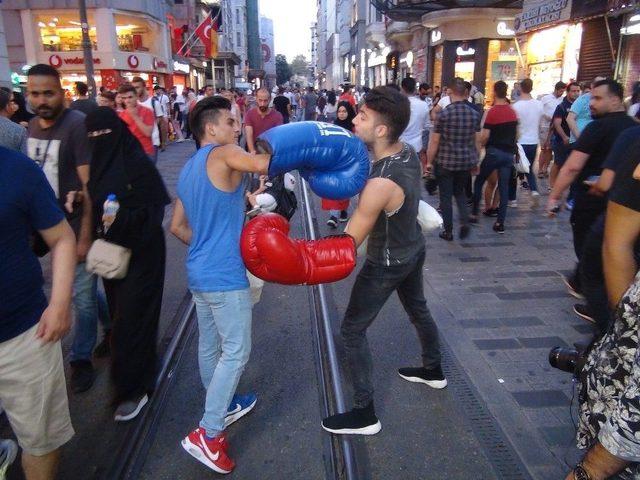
x=157 y=63
x=56 y=61
x=133 y=61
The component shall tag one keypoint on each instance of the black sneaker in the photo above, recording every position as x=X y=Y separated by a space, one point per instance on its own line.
x=359 y=421
x=583 y=312
x=572 y=288
x=344 y=216
x=448 y=236
x=490 y=212
x=82 y=376
x=332 y=222
x=104 y=348
x=498 y=227
x=464 y=231
x=432 y=377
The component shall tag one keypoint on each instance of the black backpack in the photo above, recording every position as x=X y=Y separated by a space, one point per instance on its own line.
x=286 y=200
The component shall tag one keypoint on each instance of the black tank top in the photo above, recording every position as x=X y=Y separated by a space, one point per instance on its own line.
x=396 y=236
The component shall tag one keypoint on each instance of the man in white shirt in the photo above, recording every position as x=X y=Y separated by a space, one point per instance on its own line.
x=419 y=120
x=163 y=123
x=530 y=112
x=549 y=104
x=152 y=104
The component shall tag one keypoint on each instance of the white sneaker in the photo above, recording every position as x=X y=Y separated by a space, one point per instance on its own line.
x=535 y=198
x=513 y=203
x=8 y=453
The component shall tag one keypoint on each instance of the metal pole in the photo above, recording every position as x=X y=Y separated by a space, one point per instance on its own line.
x=86 y=47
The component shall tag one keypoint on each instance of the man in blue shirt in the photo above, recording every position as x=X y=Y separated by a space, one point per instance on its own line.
x=580 y=114
x=209 y=217
x=32 y=384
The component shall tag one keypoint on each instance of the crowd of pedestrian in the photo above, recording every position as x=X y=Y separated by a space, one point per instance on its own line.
x=79 y=180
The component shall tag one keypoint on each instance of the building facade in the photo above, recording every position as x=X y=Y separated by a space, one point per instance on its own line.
x=268 y=51
x=128 y=37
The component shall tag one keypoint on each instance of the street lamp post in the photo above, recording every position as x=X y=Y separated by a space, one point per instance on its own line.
x=86 y=47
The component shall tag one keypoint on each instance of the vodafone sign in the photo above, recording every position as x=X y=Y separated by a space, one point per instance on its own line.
x=133 y=61
x=56 y=61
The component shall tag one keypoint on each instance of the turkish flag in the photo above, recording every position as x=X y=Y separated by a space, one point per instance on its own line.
x=203 y=32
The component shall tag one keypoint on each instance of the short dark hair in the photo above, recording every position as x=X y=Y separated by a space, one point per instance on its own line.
x=572 y=84
x=408 y=84
x=44 y=70
x=560 y=85
x=614 y=88
x=138 y=80
x=424 y=86
x=309 y=89
x=392 y=106
x=109 y=95
x=500 y=89
x=458 y=87
x=4 y=99
x=82 y=88
x=206 y=110
x=126 y=88
x=468 y=86
x=526 y=85
x=156 y=87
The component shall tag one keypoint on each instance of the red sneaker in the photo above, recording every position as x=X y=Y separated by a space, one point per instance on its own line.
x=212 y=453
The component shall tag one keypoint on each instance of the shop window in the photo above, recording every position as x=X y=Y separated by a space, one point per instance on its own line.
x=437 y=66
x=629 y=69
x=136 y=34
x=503 y=63
x=62 y=33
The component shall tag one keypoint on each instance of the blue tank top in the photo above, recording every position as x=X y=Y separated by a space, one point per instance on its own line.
x=214 y=263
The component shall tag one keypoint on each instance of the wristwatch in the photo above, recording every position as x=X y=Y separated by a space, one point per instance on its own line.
x=579 y=473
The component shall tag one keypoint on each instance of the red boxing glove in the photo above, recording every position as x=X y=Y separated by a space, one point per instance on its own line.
x=271 y=255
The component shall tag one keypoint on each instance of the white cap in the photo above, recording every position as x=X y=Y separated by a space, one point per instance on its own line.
x=289 y=182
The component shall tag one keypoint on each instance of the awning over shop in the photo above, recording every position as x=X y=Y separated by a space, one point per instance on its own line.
x=414 y=9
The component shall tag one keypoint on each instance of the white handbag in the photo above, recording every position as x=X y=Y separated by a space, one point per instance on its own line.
x=522 y=163
x=428 y=217
x=108 y=260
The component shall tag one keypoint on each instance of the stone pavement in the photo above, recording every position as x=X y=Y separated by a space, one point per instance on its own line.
x=502 y=307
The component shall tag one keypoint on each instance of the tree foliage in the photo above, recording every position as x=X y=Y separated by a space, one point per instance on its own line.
x=283 y=70
x=300 y=66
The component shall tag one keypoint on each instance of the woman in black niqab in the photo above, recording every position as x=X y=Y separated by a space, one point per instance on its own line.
x=120 y=166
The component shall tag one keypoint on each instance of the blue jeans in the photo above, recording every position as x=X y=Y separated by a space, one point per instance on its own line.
x=530 y=151
x=224 y=344
x=89 y=305
x=495 y=159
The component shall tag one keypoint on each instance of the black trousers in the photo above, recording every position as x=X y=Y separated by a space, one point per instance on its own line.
x=134 y=303
x=452 y=183
x=374 y=285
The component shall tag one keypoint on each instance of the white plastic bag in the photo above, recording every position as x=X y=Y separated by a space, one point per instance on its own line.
x=255 y=285
x=428 y=217
x=522 y=163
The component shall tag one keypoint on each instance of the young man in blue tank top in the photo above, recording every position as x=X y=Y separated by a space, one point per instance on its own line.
x=386 y=212
x=208 y=217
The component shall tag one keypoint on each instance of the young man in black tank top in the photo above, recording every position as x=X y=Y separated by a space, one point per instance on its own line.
x=386 y=212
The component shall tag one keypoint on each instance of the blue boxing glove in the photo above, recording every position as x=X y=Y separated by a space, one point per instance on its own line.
x=330 y=158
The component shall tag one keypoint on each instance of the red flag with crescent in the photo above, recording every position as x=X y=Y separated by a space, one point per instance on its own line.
x=206 y=32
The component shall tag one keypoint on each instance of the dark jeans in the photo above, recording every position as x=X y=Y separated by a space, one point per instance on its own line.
x=530 y=151
x=591 y=272
x=586 y=210
x=373 y=286
x=452 y=183
x=495 y=159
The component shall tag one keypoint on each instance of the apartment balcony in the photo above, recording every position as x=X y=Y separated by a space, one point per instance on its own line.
x=398 y=32
x=375 y=33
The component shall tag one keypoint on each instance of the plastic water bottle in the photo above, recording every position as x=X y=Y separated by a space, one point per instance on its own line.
x=110 y=209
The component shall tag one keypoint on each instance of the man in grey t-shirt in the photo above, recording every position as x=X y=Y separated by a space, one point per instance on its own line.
x=57 y=141
x=309 y=103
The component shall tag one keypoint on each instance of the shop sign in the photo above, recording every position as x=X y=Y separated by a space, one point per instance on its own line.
x=56 y=61
x=503 y=70
x=133 y=61
x=539 y=13
x=157 y=64
x=180 y=67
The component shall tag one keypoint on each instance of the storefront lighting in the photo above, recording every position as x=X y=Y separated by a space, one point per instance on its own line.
x=504 y=30
x=635 y=18
x=409 y=59
x=386 y=51
x=55 y=19
x=461 y=52
x=41 y=24
x=436 y=36
x=369 y=50
x=204 y=64
x=631 y=29
x=73 y=22
x=52 y=24
x=381 y=45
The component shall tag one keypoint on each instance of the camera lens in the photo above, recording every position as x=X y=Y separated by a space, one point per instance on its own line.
x=564 y=359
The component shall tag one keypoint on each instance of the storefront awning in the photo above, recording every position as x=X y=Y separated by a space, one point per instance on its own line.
x=407 y=10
